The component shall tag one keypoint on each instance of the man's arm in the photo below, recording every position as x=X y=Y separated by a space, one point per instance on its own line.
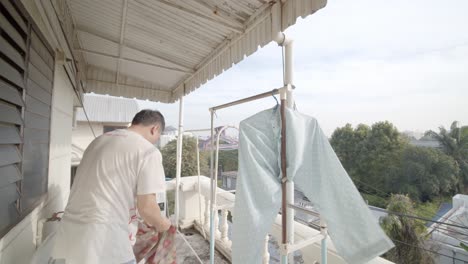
x=150 y=212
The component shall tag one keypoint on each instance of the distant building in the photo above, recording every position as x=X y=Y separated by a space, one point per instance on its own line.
x=229 y=180
x=105 y=113
x=169 y=134
x=413 y=134
x=170 y=131
x=451 y=230
x=426 y=142
x=226 y=142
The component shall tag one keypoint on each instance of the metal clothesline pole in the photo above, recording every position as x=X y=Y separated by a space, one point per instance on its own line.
x=287 y=186
x=212 y=237
x=179 y=158
x=245 y=100
x=212 y=174
x=198 y=182
x=304 y=210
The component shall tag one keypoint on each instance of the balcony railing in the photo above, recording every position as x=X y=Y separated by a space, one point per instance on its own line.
x=194 y=212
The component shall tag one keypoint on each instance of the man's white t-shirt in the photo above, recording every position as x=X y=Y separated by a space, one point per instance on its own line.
x=115 y=168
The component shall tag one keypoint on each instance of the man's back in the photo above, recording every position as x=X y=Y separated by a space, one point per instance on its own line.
x=97 y=214
x=105 y=183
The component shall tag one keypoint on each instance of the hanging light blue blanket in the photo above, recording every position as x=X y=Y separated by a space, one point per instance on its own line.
x=314 y=167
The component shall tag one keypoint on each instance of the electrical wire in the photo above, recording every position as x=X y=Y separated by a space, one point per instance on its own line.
x=81 y=102
x=428 y=250
x=439 y=228
x=387 y=195
x=416 y=217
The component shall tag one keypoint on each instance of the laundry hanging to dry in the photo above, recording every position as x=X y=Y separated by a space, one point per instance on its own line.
x=155 y=247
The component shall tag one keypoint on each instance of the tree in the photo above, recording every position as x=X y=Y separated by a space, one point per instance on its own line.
x=189 y=158
x=345 y=143
x=454 y=143
x=406 y=233
x=426 y=173
x=384 y=147
x=370 y=155
x=228 y=160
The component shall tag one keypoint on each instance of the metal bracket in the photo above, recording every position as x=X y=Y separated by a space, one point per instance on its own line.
x=288 y=248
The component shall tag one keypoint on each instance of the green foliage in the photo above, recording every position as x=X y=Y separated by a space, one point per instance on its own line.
x=465 y=247
x=205 y=163
x=189 y=158
x=429 y=209
x=379 y=158
x=426 y=173
x=369 y=154
x=228 y=160
x=375 y=200
x=454 y=143
x=406 y=233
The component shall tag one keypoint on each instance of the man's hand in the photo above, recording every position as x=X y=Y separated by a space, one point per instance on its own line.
x=173 y=220
x=165 y=226
x=150 y=212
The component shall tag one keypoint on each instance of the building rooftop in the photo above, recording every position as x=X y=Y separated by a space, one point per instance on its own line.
x=105 y=108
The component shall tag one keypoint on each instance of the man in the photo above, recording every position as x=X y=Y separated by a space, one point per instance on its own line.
x=116 y=168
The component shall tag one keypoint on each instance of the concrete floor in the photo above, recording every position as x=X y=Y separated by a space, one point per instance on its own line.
x=200 y=245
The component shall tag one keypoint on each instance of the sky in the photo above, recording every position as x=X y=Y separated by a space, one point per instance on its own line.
x=359 y=61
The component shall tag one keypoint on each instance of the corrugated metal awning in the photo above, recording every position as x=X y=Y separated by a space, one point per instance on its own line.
x=162 y=49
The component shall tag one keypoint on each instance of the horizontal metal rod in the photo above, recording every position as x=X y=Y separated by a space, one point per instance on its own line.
x=306 y=211
x=304 y=243
x=199 y=130
x=245 y=100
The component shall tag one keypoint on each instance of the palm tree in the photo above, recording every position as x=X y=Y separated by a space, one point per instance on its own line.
x=407 y=233
x=454 y=142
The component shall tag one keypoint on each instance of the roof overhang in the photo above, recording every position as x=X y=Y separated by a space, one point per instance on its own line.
x=161 y=49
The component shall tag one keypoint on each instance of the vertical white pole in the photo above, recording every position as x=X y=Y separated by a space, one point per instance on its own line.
x=179 y=157
x=288 y=81
x=288 y=71
x=200 y=215
x=284 y=187
x=198 y=160
x=324 y=251
x=212 y=168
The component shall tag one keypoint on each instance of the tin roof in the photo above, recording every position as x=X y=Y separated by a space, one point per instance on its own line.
x=161 y=49
x=104 y=108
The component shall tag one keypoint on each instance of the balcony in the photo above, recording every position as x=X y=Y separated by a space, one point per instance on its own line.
x=194 y=218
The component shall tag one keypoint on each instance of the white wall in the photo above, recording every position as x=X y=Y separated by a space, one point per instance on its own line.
x=82 y=134
x=460 y=200
x=19 y=244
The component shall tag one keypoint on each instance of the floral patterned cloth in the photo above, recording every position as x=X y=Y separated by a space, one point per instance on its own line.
x=154 y=247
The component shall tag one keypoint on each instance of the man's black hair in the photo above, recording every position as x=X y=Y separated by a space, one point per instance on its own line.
x=149 y=117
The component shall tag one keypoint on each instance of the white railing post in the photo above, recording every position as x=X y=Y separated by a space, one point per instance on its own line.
x=266 y=253
x=225 y=227
x=216 y=224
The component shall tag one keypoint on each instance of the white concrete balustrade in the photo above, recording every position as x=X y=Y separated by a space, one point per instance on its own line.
x=189 y=217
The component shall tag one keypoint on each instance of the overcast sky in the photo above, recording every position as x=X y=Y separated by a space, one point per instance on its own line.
x=359 y=61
